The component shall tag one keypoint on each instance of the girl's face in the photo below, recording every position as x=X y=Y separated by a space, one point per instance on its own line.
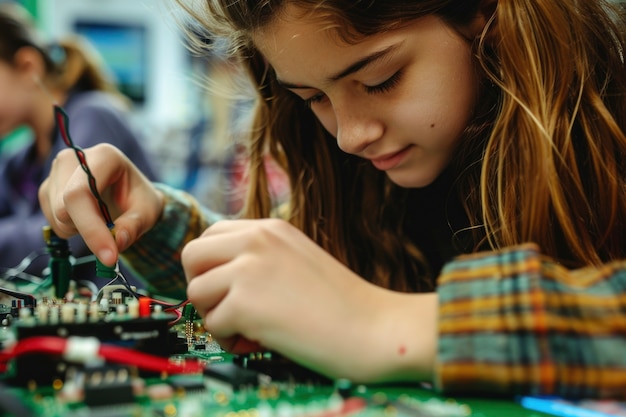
x=19 y=90
x=400 y=99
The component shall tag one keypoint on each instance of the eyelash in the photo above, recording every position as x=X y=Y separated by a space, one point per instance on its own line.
x=315 y=99
x=386 y=85
x=383 y=87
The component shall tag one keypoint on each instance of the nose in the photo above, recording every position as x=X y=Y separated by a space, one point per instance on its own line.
x=357 y=128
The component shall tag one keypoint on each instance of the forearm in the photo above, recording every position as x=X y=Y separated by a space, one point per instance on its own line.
x=375 y=336
x=155 y=257
x=516 y=323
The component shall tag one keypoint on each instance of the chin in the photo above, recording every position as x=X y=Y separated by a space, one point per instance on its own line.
x=411 y=181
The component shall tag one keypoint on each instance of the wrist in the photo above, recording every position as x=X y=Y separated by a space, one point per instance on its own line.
x=406 y=349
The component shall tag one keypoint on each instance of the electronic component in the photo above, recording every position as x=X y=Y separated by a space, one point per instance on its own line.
x=280 y=368
x=59 y=263
x=107 y=385
x=231 y=376
x=147 y=334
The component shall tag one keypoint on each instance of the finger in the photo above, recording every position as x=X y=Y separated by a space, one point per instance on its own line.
x=86 y=214
x=208 y=290
x=44 y=200
x=209 y=251
x=239 y=345
x=230 y=226
x=226 y=239
x=214 y=304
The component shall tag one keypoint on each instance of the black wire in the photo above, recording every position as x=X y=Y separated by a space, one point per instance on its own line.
x=63 y=124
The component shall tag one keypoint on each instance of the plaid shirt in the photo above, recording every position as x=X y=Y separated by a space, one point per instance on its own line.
x=514 y=322
x=510 y=322
x=156 y=255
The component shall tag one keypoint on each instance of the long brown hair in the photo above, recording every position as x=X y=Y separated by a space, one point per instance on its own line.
x=71 y=63
x=543 y=160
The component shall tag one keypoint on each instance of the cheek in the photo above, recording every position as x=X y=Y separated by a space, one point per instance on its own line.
x=443 y=108
x=13 y=112
x=8 y=106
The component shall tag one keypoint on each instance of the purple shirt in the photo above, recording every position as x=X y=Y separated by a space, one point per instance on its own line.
x=93 y=118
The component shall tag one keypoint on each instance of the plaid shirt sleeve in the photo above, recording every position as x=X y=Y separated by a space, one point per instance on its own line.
x=514 y=322
x=155 y=257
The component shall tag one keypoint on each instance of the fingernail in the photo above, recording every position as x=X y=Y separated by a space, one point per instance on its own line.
x=106 y=257
x=122 y=239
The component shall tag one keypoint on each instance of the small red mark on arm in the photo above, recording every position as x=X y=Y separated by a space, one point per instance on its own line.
x=402 y=350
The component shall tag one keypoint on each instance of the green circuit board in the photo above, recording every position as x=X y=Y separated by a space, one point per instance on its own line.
x=261 y=384
x=199 y=395
x=156 y=359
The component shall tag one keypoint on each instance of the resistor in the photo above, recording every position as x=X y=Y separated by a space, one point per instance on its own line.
x=158 y=309
x=94 y=312
x=104 y=305
x=67 y=313
x=81 y=312
x=54 y=314
x=133 y=308
x=25 y=314
x=42 y=313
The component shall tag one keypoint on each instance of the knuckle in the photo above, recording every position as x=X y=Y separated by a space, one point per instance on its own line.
x=186 y=252
x=64 y=155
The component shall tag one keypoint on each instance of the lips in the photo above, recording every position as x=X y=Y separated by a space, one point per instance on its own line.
x=390 y=161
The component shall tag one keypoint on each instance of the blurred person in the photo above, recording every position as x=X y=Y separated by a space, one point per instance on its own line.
x=34 y=76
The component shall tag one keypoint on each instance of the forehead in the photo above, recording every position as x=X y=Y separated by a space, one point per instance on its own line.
x=308 y=49
x=293 y=25
x=296 y=39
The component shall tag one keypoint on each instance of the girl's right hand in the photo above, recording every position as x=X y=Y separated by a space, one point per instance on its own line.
x=70 y=206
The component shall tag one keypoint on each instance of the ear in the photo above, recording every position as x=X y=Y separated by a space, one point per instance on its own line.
x=29 y=61
x=486 y=10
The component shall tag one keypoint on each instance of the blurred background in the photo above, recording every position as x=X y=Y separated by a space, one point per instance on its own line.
x=190 y=133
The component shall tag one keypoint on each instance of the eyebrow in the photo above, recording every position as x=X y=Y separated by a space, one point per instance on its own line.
x=351 y=69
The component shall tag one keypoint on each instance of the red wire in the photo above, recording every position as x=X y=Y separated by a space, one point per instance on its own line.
x=40 y=344
x=147 y=362
x=57 y=345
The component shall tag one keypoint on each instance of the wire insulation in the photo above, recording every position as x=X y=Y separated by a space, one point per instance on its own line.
x=63 y=124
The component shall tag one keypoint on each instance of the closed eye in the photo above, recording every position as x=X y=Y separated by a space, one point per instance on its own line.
x=386 y=85
x=383 y=87
x=318 y=98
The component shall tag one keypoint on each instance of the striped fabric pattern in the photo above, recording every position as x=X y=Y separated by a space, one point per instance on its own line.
x=514 y=322
x=156 y=255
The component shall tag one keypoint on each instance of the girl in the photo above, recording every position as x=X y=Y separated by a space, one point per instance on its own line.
x=458 y=196
x=33 y=75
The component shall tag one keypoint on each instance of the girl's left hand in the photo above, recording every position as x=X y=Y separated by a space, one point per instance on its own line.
x=263 y=284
